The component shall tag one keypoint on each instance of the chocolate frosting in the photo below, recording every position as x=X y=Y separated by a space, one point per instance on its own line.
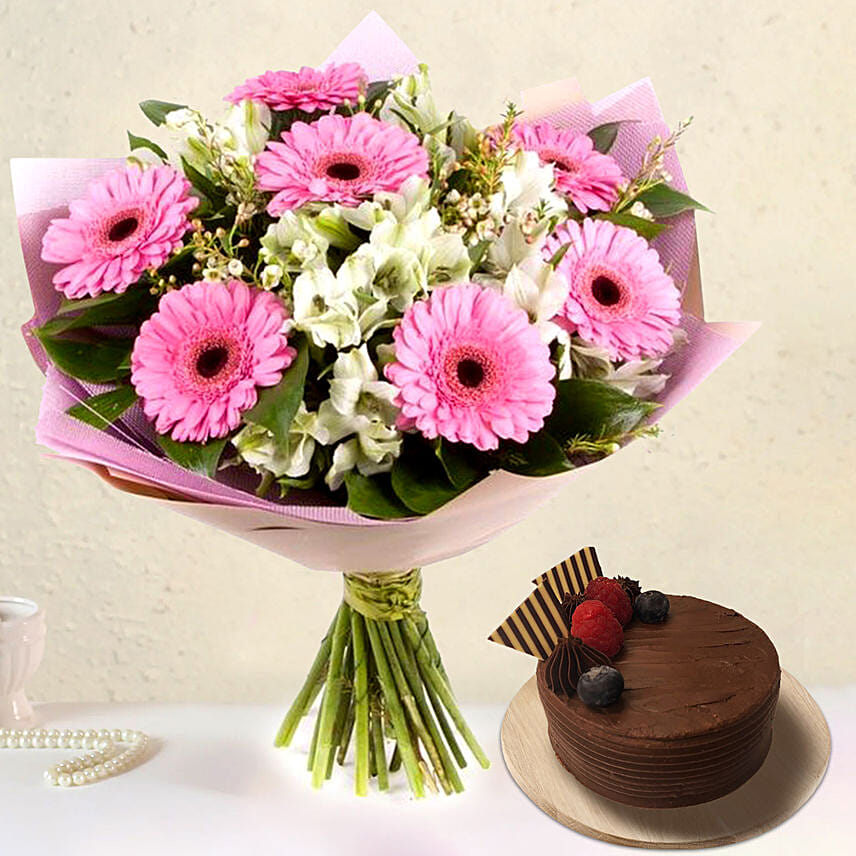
x=568 y=660
x=694 y=721
x=569 y=603
x=631 y=588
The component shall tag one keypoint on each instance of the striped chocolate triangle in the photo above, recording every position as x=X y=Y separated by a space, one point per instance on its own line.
x=537 y=624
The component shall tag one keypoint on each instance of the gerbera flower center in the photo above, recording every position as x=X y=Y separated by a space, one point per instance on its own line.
x=469 y=373
x=123 y=228
x=212 y=361
x=344 y=171
x=560 y=159
x=605 y=291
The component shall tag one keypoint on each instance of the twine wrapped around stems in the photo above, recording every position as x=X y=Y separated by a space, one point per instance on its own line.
x=384 y=597
x=382 y=678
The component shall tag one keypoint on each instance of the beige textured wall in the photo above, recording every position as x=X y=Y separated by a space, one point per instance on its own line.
x=747 y=498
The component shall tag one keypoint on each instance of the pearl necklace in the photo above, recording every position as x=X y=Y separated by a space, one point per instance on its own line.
x=103 y=761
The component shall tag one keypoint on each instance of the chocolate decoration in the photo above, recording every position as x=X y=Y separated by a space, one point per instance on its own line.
x=568 y=660
x=631 y=587
x=569 y=603
x=695 y=719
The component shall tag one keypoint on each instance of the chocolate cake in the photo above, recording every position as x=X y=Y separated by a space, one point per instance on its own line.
x=694 y=721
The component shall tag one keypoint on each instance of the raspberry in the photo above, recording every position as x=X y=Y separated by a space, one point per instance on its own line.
x=611 y=593
x=595 y=625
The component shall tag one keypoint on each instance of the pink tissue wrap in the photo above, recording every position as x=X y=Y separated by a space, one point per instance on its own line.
x=320 y=535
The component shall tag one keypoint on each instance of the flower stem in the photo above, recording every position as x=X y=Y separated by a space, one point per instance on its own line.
x=381 y=678
x=308 y=692
x=378 y=751
x=332 y=695
x=446 y=770
x=396 y=712
x=433 y=677
x=361 y=704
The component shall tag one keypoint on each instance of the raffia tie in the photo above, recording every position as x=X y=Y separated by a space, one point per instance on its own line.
x=384 y=597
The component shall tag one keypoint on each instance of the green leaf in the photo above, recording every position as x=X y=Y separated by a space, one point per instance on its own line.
x=374 y=497
x=591 y=408
x=204 y=184
x=540 y=455
x=377 y=90
x=68 y=305
x=103 y=410
x=648 y=229
x=459 y=463
x=98 y=361
x=419 y=479
x=554 y=260
x=121 y=309
x=477 y=253
x=277 y=405
x=603 y=136
x=156 y=111
x=136 y=142
x=201 y=458
x=664 y=201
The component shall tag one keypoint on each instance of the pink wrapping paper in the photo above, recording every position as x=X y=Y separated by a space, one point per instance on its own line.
x=314 y=532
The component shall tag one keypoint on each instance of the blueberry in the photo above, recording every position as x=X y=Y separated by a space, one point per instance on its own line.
x=600 y=686
x=652 y=607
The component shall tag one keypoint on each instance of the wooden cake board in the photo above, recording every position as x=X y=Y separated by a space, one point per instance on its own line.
x=790 y=775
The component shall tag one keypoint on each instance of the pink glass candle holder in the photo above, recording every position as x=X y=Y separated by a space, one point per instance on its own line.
x=22 y=644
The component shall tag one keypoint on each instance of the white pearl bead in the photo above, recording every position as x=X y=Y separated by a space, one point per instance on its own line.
x=2 y=733
x=90 y=775
x=104 y=734
x=116 y=735
x=98 y=769
x=64 y=780
x=78 y=778
x=11 y=742
x=38 y=741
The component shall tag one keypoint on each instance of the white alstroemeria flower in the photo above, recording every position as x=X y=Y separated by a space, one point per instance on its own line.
x=355 y=388
x=244 y=128
x=294 y=243
x=361 y=405
x=372 y=451
x=398 y=277
x=415 y=226
x=411 y=103
x=639 y=378
x=258 y=447
x=538 y=289
x=326 y=309
x=528 y=184
x=514 y=247
x=241 y=134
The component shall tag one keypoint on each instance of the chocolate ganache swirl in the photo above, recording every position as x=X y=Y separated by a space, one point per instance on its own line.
x=568 y=660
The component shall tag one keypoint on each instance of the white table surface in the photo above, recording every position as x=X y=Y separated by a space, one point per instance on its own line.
x=214 y=785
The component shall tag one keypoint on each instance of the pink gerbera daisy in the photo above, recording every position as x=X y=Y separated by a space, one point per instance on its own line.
x=198 y=360
x=619 y=296
x=129 y=220
x=309 y=89
x=338 y=159
x=471 y=368
x=590 y=178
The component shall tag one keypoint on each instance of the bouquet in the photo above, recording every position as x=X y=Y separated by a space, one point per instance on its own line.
x=344 y=323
